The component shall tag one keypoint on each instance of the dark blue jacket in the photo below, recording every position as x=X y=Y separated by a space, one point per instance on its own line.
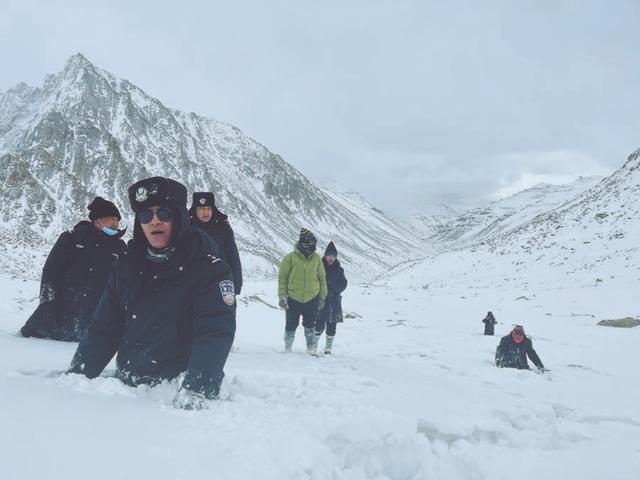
x=164 y=319
x=510 y=354
x=73 y=279
x=336 y=284
x=220 y=231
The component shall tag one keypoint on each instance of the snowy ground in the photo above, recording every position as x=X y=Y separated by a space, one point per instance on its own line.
x=411 y=393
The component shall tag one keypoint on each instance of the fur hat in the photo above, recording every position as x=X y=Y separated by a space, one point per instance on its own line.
x=203 y=199
x=157 y=191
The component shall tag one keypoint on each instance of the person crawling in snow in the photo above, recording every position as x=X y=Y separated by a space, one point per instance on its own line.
x=169 y=308
x=513 y=350
x=75 y=274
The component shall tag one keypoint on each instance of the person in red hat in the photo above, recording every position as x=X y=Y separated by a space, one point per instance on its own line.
x=513 y=350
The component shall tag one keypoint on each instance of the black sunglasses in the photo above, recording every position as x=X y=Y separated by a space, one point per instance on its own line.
x=164 y=214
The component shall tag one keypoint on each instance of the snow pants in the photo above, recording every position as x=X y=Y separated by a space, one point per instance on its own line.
x=309 y=312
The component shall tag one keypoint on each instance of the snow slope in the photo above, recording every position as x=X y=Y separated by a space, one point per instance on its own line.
x=451 y=229
x=411 y=393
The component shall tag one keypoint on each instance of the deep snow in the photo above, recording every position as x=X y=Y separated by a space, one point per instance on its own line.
x=411 y=393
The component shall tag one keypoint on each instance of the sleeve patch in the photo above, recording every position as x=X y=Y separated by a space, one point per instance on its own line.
x=227 y=290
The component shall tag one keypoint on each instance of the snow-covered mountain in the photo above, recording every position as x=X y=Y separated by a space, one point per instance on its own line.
x=450 y=228
x=587 y=241
x=86 y=132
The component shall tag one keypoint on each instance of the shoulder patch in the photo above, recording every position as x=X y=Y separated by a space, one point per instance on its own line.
x=228 y=292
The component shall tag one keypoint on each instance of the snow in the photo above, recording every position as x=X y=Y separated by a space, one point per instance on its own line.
x=410 y=393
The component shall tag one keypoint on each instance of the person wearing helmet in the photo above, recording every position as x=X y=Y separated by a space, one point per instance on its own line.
x=513 y=350
x=302 y=289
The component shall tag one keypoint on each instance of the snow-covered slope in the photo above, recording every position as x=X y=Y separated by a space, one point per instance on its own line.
x=87 y=132
x=450 y=228
x=410 y=393
x=587 y=241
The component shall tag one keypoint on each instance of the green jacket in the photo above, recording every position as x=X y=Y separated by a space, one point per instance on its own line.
x=302 y=279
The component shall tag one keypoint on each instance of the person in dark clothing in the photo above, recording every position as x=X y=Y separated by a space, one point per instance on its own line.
x=331 y=314
x=75 y=274
x=489 y=324
x=513 y=350
x=169 y=307
x=206 y=216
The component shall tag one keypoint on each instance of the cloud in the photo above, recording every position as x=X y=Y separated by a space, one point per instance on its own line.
x=409 y=102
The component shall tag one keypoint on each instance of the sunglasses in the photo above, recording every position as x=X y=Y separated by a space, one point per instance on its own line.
x=164 y=214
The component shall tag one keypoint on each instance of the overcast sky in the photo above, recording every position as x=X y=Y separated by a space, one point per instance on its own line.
x=411 y=103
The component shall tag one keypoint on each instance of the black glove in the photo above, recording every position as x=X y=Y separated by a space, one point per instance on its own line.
x=321 y=303
x=283 y=303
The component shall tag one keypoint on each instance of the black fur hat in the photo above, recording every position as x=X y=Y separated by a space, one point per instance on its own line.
x=203 y=199
x=157 y=191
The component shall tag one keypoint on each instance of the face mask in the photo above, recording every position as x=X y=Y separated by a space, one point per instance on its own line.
x=109 y=231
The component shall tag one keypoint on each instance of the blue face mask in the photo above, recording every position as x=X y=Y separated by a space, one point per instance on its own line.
x=109 y=231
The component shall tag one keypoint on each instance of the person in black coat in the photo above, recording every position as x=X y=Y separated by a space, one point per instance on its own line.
x=169 y=307
x=75 y=274
x=206 y=216
x=331 y=314
x=489 y=323
x=513 y=350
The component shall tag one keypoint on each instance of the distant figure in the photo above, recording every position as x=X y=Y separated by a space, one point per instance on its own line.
x=489 y=322
x=513 y=350
x=302 y=289
x=331 y=314
x=75 y=275
x=206 y=216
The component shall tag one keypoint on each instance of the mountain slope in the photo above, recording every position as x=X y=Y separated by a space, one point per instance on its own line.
x=87 y=132
x=453 y=229
x=589 y=241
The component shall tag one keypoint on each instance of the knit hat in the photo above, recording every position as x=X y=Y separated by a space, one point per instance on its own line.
x=203 y=199
x=158 y=191
x=102 y=208
x=331 y=250
x=307 y=237
x=517 y=333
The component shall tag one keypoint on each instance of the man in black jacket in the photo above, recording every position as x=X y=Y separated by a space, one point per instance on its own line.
x=169 y=308
x=331 y=314
x=513 y=350
x=75 y=274
x=206 y=216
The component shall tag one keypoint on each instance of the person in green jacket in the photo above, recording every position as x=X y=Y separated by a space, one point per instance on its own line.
x=302 y=289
